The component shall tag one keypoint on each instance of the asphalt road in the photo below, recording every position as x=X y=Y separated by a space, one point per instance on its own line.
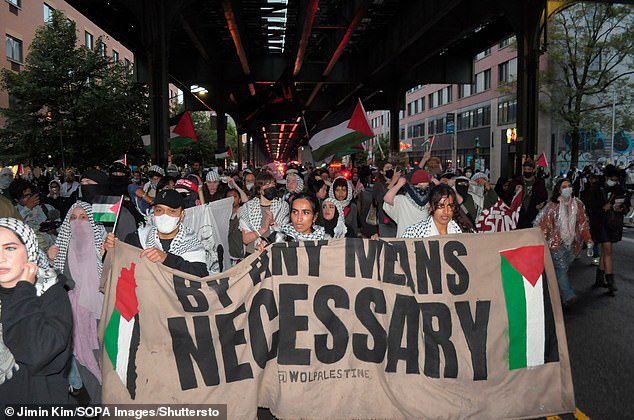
x=600 y=331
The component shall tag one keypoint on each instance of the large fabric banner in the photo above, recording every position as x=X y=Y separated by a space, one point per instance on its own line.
x=455 y=326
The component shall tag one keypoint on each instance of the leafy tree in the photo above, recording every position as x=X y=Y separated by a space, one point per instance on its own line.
x=72 y=96
x=591 y=48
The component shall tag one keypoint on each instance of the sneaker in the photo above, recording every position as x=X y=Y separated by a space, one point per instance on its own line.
x=595 y=261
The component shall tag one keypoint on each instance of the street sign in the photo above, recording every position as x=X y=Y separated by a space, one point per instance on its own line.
x=451 y=126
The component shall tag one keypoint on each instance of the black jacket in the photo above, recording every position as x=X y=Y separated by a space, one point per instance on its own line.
x=37 y=330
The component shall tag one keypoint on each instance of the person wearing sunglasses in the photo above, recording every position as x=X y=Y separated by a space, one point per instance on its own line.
x=442 y=210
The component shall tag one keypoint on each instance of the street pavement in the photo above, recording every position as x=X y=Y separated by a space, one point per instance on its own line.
x=600 y=332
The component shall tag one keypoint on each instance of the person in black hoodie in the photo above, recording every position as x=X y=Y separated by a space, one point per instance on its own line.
x=606 y=203
x=36 y=322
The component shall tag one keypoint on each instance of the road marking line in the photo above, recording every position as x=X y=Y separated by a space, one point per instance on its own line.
x=580 y=416
x=627 y=239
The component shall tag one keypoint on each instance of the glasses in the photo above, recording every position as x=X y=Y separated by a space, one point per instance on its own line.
x=451 y=207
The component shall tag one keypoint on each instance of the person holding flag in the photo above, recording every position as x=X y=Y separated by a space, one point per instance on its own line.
x=77 y=254
x=167 y=240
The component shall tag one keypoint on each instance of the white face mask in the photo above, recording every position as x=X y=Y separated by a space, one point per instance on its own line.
x=166 y=223
x=249 y=186
x=566 y=192
x=610 y=182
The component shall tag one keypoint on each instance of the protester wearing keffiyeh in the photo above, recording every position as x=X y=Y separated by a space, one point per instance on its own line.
x=36 y=324
x=336 y=227
x=79 y=258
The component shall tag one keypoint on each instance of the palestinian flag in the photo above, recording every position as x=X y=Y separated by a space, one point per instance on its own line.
x=122 y=334
x=182 y=131
x=105 y=208
x=532 y=337
x=225 y=155
x=340 y=131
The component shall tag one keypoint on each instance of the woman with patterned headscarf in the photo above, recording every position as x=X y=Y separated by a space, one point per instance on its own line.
x=341 y=190
x=77 y=253
x=294 y=185
x=304 y=214
x=36 y=322
x=331 y=218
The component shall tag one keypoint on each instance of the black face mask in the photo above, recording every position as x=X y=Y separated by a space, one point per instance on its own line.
x=119 y=185
x=528 y=174
x=463 y=190
x=270 y=193
x=90 y=191
x=389 y=173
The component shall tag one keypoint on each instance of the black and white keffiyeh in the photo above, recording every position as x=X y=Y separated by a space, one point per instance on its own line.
x=300 y=182
x=185 y=240
x=317 y=234
x=340 y=228
x=45 y=278
x=64 y=236
x=331 y=192
x=251 y=213
x=428 y=228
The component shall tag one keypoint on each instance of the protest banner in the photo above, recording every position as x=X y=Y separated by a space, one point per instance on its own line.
x=454 y=326
x=501 y=217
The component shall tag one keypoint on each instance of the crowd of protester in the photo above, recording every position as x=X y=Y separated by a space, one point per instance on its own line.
x=52 y=246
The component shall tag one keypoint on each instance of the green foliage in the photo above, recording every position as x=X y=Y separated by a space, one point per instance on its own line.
x=67 y=94
x=590 y=55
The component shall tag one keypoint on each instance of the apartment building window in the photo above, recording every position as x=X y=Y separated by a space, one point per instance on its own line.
x=115 y=56
x=48 y=13
x=507 y=112
x=14 y=49
x=506 y=42
x=474 y=118
x=421 y=104
x=464 y=91
x=402 y=133
x=482 y=82
x=103 y=49
x=409 y=109
x=416 y=130
x=88 y=40
x=483 y=54
x=507 y=71
x=16 y=3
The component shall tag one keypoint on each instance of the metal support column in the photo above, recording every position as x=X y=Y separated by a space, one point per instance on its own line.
x=221 y=127
x=527 y=18
x=156 y=35
x=395 y=132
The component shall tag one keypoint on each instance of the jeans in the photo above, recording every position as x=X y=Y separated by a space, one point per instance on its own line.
x=562 y=260
x=74 y=378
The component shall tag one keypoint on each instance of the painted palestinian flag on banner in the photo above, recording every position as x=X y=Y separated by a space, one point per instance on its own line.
x=182 y=131
x=122 y=334
x=105 y=208
x=340 y=131
x=532 y=337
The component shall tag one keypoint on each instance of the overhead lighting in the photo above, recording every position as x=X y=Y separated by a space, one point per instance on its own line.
x=198 y=89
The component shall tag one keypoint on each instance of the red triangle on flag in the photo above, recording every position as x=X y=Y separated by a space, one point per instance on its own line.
x=359 y=121
x=126 y=301
x=542 y=161
x=230 y=152
x=528 y=260
x=185 y=127
x=116 y=207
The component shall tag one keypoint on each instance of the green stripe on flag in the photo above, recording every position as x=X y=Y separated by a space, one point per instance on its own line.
x=111 y=337
x=346 y=141
x=105 y=217
x=513 y=284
